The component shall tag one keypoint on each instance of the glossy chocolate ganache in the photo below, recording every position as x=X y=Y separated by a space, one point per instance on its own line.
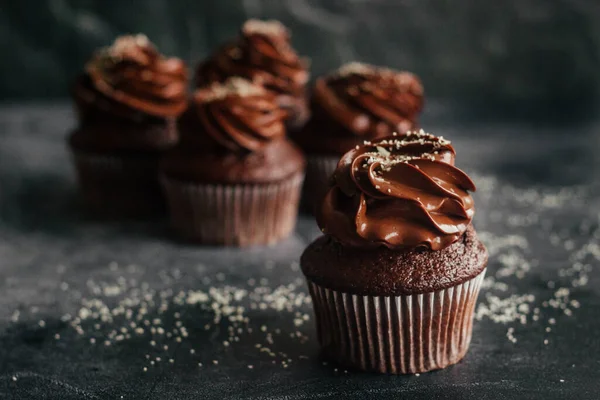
x=401 y=191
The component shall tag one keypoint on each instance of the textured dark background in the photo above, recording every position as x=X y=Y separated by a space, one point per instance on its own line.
x=536 y=205
x=512 y=57
x=538 y=217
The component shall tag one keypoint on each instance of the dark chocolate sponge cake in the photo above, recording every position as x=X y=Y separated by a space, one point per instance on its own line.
x=385 y=272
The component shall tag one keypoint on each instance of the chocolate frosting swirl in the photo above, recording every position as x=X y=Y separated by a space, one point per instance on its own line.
x=370 y=101
x=237 y=115
x=131 y=78
x=360 y=102
x=401 y=191
x=262 y=54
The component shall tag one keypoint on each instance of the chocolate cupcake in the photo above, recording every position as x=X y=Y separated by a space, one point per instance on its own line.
x=127 y=102
x=263 y=54
x=234 y=179
x=395 y=278
x=357 y=102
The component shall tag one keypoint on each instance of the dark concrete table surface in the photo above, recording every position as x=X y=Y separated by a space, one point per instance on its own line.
x=94 y=310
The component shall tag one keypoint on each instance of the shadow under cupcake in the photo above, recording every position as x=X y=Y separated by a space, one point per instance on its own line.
x=395 y=278
x=234 y=178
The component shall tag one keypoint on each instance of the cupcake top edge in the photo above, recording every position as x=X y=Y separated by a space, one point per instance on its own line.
x=233 y=86
x=405 y=79
x=131 y=77
x=387 y=272
x=401 y=191
x=264 y=27
x=238 y=116
x=364 y=102
x=262 y=53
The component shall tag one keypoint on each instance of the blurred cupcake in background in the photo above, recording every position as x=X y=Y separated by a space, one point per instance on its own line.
x=263 y=54
x=127 y=102
x=357 y=102
x=234 y=179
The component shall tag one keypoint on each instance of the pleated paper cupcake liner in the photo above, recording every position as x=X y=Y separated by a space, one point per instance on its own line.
x=319 y=169
x=119 y=186
x=234 y=215
x=396 y=334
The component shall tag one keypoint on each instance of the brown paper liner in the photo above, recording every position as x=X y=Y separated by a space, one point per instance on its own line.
x=319 y=169
x=119 y=186
x=234 y=215
x=396 y=334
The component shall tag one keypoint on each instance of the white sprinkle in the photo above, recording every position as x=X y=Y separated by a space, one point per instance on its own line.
x=233 y=86
x=264 y=27
x=15 y=316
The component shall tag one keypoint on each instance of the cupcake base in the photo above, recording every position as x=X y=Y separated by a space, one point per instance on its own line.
x=319 y=169
x=118 y=185
x=396 y=334
x=233 y=215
